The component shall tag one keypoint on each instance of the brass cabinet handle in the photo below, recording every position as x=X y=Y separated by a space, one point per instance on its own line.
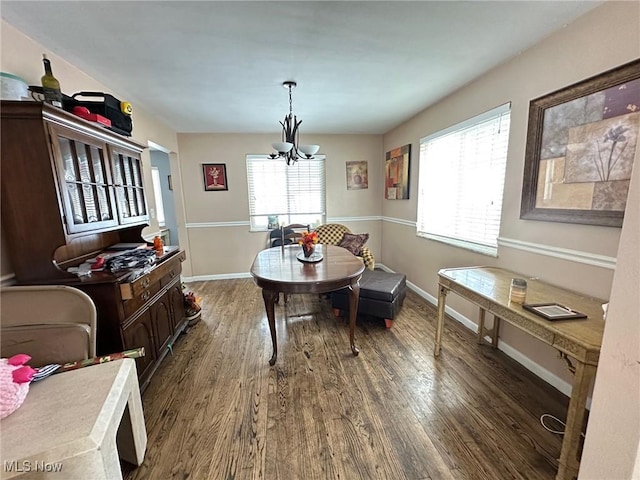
x=146 y=282
x=146 y=295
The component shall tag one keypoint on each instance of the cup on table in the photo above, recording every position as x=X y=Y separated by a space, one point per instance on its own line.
x=518 y=291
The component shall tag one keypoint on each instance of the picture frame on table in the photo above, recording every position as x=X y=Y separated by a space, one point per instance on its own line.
x=580 y=149
x=215 y=177
x=553 y=311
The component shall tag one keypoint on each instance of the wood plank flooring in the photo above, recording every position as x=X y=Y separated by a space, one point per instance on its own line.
x=216 y=410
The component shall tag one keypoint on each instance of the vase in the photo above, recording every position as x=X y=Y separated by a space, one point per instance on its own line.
x=308 y=250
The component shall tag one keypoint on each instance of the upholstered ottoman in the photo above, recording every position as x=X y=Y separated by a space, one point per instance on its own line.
x=381 y=295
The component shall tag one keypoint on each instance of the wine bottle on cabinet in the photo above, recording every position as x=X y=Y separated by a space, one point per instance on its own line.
x=50 y=85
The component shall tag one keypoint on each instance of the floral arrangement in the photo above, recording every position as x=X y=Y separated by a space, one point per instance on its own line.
x=308 y=240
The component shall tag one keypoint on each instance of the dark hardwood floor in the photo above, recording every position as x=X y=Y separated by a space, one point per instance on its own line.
x=216 y=410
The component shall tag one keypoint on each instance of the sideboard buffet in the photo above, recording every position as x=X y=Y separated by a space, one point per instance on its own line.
x=70 y=190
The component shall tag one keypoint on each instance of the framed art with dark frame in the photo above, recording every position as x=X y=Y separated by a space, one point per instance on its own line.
x=396 y=173
x=581 y=144
x=215 y=176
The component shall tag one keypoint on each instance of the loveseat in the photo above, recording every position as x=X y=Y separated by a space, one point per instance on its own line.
x=334 y=234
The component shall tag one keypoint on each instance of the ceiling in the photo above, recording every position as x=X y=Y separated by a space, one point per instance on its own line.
x=361 y=67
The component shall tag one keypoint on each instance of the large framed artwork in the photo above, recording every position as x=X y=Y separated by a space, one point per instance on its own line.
x=357 y=175
x=215 y=176
x=396 y=173
x=581 y=144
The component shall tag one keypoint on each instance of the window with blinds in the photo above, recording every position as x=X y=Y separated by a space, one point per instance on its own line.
x=281 y=194
x=461 y=182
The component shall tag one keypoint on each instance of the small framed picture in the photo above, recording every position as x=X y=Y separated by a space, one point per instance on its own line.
x=357 y=175
x=553 y=311
x=215 y=176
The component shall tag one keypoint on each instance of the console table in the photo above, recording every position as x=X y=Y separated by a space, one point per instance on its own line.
x=577 y=340
x=72 y=422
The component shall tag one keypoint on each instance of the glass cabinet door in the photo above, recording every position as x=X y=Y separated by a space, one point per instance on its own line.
x=86 y=188
x=129 y=189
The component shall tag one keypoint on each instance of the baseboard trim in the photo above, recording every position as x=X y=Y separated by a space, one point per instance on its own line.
x=223 y=276
x=523 y=360
x=511 y=352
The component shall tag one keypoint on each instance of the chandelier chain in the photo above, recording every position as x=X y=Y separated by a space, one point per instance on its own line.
x=290 y=103
x=289 y=148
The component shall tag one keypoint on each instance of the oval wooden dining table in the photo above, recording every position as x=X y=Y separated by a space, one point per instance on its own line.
x=278 y=270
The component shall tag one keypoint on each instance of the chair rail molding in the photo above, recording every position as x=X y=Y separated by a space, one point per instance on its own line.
x=577 y=256
x=400 y=221
x=372 y=218
x=244 y=223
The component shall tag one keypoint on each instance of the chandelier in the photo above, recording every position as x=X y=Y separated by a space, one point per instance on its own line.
x=288 y=148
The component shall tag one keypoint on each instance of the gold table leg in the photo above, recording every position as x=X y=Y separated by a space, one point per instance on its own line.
x=569 y=462
x=496 y=332
x=442 y=297
x=481 y=330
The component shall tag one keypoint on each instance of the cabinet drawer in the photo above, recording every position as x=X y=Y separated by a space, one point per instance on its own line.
x=134 y=289
x=133 y=304
x=163 y=273
x=167 y=271
x=171 y=274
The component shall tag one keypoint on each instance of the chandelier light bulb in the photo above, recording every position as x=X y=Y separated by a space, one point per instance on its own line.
x=282 y=147
x=309 y=150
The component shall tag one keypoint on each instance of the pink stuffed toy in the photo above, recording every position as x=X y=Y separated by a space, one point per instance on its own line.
x=14 y=382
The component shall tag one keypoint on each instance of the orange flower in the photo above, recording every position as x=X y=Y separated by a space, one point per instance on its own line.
x=308 y=239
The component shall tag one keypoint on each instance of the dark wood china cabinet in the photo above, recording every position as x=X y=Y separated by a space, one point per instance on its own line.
x=71 y=189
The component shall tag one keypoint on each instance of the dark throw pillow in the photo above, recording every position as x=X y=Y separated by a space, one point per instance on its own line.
x=354 y=242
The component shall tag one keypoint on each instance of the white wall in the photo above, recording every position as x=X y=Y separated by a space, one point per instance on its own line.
x=612 y=444
x=604 y=38
x=220 y=219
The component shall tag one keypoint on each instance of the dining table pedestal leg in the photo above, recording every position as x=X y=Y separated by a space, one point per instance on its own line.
x=269 y=298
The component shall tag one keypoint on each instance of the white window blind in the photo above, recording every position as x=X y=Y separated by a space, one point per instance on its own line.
x=461 y=181
x=292 y=193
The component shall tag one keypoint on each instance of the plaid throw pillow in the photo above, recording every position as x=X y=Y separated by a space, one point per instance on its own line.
x=354 y=242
